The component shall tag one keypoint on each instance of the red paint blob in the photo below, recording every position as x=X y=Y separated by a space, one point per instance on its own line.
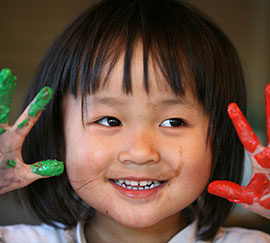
x=263 y=158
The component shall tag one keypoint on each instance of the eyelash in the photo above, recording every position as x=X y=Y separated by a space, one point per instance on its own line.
x=173 y=122
x=109 y=119
x=178 y=122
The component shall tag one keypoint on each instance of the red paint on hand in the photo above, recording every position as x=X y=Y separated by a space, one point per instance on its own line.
x=265 y=203
x=253 y=192
x=263 y=158
x=245 y=133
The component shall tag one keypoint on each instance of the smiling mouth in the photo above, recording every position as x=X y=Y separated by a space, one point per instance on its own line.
x=137 y=185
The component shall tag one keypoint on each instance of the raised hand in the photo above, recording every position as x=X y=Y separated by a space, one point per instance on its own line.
x=14 y=173
x=256 y=195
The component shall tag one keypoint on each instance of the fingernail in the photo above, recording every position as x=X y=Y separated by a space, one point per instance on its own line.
x=41 y=101
x=48 y=168
x=10 y=164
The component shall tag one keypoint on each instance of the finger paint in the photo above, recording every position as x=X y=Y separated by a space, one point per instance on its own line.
x=267 y=110
x=253 y=192
x=10 y=164
x=263 y=158
x=40 y=101
x=245 y=133
x=7 y=86
x=48 y=168
x=265 y=203
x=23 y=123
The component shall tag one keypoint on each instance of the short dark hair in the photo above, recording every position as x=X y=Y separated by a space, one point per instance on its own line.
x=189 y=50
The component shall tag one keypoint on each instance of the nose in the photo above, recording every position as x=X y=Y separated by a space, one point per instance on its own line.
x=139 y=148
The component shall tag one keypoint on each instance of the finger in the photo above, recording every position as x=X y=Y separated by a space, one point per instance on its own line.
x=248 y=138
x=228 y=190
x=267 y=110
x=7 y=86
x=29 y=117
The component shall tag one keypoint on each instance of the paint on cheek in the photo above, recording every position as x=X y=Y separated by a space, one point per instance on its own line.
x=48 y=168
x=10 y=164
x=40 y=101
x=245 y=133
x=256 y=189
x=7 y=86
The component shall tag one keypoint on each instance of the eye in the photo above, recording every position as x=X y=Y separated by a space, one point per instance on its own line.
x=173 y=122
x=109 y=122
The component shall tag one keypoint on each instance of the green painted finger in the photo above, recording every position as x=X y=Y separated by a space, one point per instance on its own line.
x=40 y=101
x=48 y=168
x=7 y=86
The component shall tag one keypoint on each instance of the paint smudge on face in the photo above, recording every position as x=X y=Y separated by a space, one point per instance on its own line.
x=48 y=168
x=7 y=86
x=40 y=101
x=245 y=133
x=10 y=164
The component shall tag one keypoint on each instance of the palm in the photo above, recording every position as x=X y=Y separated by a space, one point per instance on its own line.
x=14 y=173
x=256 y=195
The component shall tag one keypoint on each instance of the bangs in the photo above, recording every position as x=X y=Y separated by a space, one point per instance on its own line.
x=102 y=37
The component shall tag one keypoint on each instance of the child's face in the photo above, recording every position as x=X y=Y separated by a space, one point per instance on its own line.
x=139 y=138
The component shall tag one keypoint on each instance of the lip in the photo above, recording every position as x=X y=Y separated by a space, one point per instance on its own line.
x=138 y=194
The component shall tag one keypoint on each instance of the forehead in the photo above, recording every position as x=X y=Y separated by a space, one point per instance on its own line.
x=156 y=81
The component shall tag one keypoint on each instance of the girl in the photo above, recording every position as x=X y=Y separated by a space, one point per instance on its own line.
x=138 y=116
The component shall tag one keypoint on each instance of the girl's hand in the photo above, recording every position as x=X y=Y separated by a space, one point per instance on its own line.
x=256 y=195
x=14 y=173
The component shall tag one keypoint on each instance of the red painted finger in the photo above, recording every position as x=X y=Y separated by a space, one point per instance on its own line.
x=245 y=133
x=267 y=110
x=258 y=187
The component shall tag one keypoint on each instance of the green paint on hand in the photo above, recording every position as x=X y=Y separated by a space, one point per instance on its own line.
x=10 y=164
x=7 y=86
x=23 y=123
x=40 y=102
x=48 y=168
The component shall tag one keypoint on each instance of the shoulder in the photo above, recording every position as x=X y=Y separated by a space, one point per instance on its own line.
x=241 y=235
x=38 y=234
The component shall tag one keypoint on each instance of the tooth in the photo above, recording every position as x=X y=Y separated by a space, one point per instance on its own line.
x=152 y=186
x=143 y=183
x=149 y=183
x=127 y=182
x=156 y=182
x=121 y=181
x=134 y=183
x=141 y=188
x=128 y=187
x=146 y=187
x=134 y=188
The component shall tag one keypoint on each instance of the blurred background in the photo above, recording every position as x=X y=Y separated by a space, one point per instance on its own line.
x=27 y=28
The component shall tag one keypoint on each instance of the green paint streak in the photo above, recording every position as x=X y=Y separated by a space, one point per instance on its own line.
x=10 y=164
x=48 y=168
x=40 y=102
x=7 y=86
x=23 y=123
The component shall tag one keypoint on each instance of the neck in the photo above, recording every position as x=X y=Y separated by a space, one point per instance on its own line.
x=104 y=229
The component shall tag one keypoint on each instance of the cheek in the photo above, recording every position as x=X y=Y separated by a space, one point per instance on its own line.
x=84 y=165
